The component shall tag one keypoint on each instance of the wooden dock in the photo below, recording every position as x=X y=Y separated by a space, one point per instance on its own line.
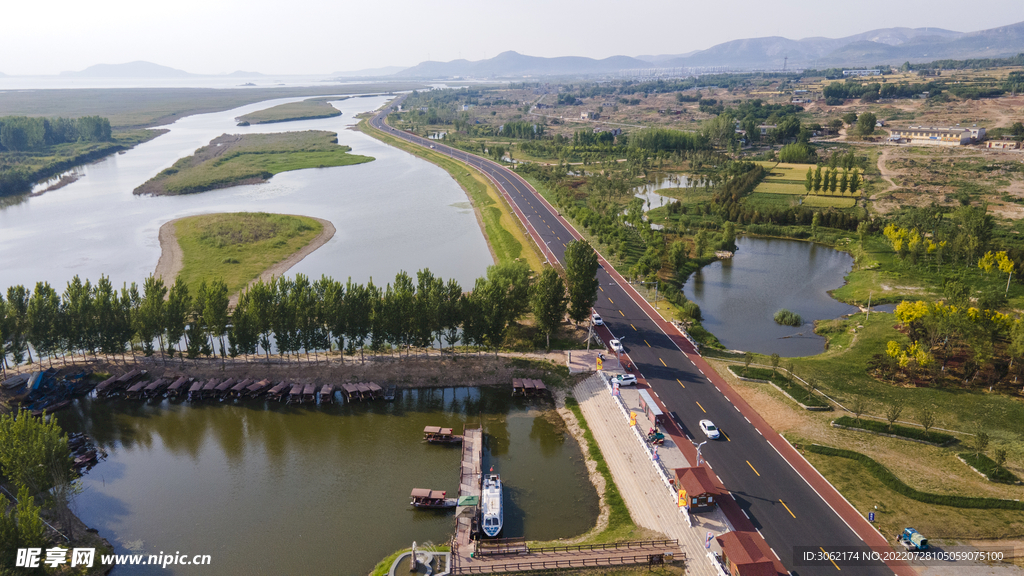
x=469 y=485
x=528 y=387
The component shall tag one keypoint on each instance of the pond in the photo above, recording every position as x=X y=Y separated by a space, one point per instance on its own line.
x=648 y=192
x=395 y=213
x=267 y=488
x=739 y=297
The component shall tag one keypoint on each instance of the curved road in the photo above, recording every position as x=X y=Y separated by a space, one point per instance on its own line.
x=788 y=508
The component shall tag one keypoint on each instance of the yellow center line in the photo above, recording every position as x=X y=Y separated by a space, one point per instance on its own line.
x=601 y=289
x=666 y=366
x=829 y=558
x=677 y=379
x=648 y=343
x=702 y=408
x=787 y=509
x=634 y=327
x=610 y=300
x=752 y=468
x=623 y=315
x=727 y=439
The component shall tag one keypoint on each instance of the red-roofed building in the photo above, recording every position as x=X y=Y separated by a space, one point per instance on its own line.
x=698 y=489
x=742 y=557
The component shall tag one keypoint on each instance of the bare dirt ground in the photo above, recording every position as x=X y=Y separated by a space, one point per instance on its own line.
x=172 y=258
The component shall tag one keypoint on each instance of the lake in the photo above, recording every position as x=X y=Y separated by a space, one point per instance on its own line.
x=739 y=297
x=395 y=213
x=267 y=488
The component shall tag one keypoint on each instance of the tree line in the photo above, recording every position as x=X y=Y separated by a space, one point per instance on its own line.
x=292 y=315
x=21 y=133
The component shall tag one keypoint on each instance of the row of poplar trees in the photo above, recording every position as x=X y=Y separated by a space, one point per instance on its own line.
x=292 y=315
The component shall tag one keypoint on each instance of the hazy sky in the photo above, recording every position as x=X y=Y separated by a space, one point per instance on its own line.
x=318 y=36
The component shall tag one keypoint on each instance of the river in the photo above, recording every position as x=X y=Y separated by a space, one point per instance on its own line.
x=266 y=488
x=395 y=213
x=739 y=297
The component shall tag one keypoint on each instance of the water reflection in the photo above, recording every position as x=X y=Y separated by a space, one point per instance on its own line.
x=739 y=297
x=266 y=488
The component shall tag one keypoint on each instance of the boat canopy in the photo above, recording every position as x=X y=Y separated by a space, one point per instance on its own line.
x=431 y=494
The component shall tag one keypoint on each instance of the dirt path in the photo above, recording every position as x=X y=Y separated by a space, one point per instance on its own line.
x=886 y=173
x=172 y=258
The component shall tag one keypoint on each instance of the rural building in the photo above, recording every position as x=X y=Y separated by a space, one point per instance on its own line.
x=935 y=136
x=742 y=557
x=588 y=115
x=1003 y=144
x=765 y=128
x=696 y=487
x=862 y=72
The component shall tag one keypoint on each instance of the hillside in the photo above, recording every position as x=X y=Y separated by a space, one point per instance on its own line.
x=137 y=69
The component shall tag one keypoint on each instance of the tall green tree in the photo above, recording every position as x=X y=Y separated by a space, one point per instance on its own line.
x=427 y=314
x=514 y=279
x=844 y=183
x=261 y=305
x=817 y=178
x=243 y=334
x=359 y=301
x=700 y=242
x=17 y=323
x=450 y=313
x=30 y=448
x=866 y=124
x=854 y=182
x=43 y=320
x=176 y=311
x=581 y=277
x=809 y=183
x=336 y=312
x=216 y=311
x=549 y=302
x=149 y=324
x=79 y=316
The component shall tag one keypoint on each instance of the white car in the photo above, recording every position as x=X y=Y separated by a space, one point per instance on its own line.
x=596 y=319
x=709 y=429
x=625 y=380
x=616 y=346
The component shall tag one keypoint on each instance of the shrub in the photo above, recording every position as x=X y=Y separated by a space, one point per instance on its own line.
x=989 y=468
x=787 y=318
x=896 y=485
x=797 y=153
x=896 y=430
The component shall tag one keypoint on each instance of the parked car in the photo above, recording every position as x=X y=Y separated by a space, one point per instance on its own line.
x=625 y=380
x=596 y=319
x=616 y=346
x=708 y=427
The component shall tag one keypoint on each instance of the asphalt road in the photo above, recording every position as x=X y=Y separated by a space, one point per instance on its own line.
x=779 y=502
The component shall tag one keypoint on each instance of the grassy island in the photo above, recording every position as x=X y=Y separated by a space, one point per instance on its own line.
x=310 y=109
x=231 y=160
x=238 y=247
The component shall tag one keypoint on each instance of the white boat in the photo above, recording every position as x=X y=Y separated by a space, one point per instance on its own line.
x=490 y=505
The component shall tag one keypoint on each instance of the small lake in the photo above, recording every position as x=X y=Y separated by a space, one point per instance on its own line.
x=739 y=297
x=267 y=488
x=648 y=192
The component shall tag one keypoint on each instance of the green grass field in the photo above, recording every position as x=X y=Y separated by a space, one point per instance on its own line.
x=829 y=201
x=231 y=160
x=238 y=247
x=777 y=187
x=305 y=110
x=796 y=172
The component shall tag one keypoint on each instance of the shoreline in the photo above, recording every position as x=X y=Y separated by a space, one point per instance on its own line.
x=172 y=257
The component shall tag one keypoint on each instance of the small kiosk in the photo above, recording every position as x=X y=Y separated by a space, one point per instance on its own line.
x=696 y=487
x=650 y=408
x=742 y=557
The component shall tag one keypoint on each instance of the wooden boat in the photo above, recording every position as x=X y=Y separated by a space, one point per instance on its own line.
x=327 y=394
x=195 y=391
x=87 y=459
x=210 y=388
x=351 y=392
x=423 y=498
x=238 y=389
x=135 y=390
x=258 y=388
x=375 y=390
x=155 y=387
x=309 y=393
x=279 y=391
x=178 y=386
x=438 y=435
x=103 y=388
x=221 y=390
x=295 y=394
x=391 y=393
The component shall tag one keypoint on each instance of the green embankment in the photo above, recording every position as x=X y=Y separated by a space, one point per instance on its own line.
x=504 y=234
x=238 y=247
x=310 y=109
x=230 y=160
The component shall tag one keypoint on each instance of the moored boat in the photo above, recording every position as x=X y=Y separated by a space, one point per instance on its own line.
x=491 y=515
x=438 y=435
x=423 y=498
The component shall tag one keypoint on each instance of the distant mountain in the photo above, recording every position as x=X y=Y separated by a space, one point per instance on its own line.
x=656 y=59
x=138 y=69
x=385 y=71
x=883 y=46
x=514 y=64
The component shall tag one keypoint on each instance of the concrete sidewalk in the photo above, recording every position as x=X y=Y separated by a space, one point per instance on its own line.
x=650 y=502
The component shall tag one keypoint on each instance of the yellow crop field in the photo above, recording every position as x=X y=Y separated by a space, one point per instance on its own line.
x=829 y=201
x=769 y=187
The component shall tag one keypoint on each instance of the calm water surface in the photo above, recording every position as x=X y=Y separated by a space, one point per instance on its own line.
x=395 y=213
x=271 y=489
x=740 y=296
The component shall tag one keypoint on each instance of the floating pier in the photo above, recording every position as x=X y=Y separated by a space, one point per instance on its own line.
x=528 y=387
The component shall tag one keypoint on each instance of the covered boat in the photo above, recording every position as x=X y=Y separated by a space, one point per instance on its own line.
x=423 y=498
x=491 y=515
x=438 y=435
